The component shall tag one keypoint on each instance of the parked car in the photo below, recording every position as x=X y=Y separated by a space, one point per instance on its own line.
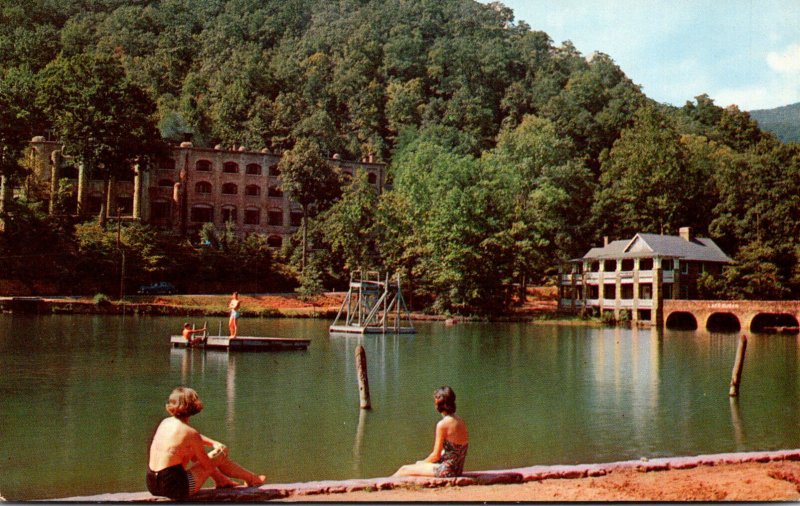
x=160 y=288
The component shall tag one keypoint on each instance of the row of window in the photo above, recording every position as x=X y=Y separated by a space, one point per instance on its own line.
x=251 y=169
x=204 y=187
x=628 y=293
x=645 y=264
x=202 y=213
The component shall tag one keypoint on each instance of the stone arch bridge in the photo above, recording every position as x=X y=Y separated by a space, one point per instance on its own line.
x=763 y=313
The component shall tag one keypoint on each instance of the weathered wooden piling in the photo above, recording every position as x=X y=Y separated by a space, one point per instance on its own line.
x=363 y=380
x=736 y=375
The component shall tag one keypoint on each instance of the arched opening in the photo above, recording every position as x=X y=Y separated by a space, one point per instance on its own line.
x=228 y=214
x=774 y=322
x=202 y=187
x=230 y=168
x=723 y=322
x=253 y=169
x=275 y=191
x=252 y=190
x=274 y=241
x=681 y=320
x=230 y=189
x=252 y=216
x=275 y=217
x=274 y=171
x=202 y=214
x=203 y=165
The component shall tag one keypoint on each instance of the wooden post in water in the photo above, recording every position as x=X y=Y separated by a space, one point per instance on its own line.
x=736 y=376
x=363 y=381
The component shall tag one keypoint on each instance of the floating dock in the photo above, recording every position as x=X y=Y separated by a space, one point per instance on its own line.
x=373 y=306
x=244 y=343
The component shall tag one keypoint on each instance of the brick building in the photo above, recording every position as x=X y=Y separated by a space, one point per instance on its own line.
x=636 y=275
x=191 y=187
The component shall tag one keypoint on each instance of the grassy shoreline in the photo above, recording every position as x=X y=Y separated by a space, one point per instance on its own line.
x=287 y=305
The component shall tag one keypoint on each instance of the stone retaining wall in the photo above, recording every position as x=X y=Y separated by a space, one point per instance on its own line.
x=534 y=473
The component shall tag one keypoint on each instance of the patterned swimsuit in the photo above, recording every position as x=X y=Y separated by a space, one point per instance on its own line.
x=452 y=461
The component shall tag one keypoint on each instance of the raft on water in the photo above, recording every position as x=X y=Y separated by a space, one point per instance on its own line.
x=243 y=343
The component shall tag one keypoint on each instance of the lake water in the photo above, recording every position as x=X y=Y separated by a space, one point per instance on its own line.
x=81 y=395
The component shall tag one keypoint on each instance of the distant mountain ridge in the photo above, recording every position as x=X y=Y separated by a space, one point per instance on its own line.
x=783 y=121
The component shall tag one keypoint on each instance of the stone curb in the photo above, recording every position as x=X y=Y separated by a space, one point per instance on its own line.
x=508 y=476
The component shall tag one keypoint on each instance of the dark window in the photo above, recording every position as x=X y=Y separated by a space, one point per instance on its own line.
x=667 y=289
x=627 y=265
x=610 y=265
x=93 y=203
x=202 y=214
x=230 y=167
x=667 y=264
x=159 y=210
x=645 y=291
x=274 y=241
x=274 y=171
x=252 y=217
x=203 y=165
x=609 y=291
x=372 y=178
x=685 y=268
x=275 y=217
x=69 y=172
x=125 y=204
x=165 y=183
x=253 y=169
x=627 y=292
x=252 y=190
x=230 y=189
x=202 y=187
x=126 y=175
x=594 y=267
x=295 y=219
x=646 y=264
x=275 y=191
x=229 y=214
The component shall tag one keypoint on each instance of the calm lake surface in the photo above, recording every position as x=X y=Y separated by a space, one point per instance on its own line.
x=81 y=395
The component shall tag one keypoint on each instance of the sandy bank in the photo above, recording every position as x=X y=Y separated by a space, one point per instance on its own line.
x=752 y=476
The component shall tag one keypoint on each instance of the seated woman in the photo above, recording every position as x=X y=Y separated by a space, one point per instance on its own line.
x=175 y=444
x=450 y=445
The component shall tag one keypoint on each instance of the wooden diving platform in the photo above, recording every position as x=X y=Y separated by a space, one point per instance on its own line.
x=244 y=343
x=356 y=329
x=373 y=305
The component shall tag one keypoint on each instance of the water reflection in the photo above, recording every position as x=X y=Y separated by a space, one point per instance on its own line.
x=193 y=362
x=533 y=394
x=736 y=421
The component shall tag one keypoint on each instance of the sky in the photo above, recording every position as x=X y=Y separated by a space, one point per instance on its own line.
x=743 y=52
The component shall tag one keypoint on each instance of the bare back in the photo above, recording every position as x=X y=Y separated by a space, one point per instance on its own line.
x=454 y=429
x=172 y=444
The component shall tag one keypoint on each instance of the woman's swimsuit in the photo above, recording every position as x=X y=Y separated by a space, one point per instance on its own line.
x=452 y=460
x=234 y=314
x=173 y=482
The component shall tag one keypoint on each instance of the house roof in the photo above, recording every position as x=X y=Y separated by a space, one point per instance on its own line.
x=699 y=249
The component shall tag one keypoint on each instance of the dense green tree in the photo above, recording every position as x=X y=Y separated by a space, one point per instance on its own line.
x=103 y=119
x=310 y=180
x=647 y=185
x=17 y=90
x=349 y=225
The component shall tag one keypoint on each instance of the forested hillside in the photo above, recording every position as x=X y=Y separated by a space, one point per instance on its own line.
x=784 y=121
x=508 y=153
